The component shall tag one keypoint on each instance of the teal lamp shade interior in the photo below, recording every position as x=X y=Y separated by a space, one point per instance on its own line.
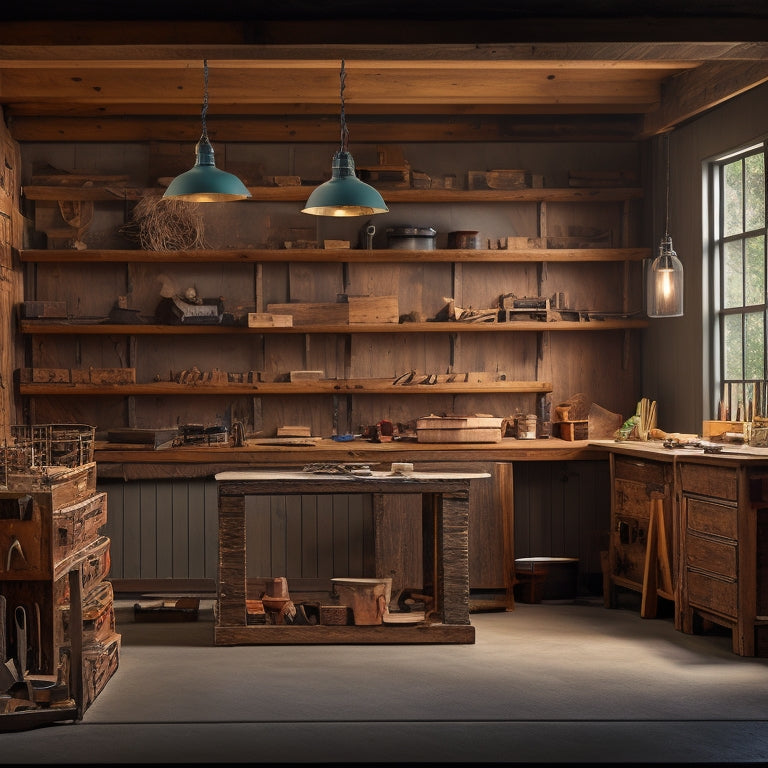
x=344 y=194
x=205 y=183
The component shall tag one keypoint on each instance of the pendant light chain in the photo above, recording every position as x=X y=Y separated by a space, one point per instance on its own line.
x=344 y=129
x=204 y=182
x=344 y=194
x=205 y=97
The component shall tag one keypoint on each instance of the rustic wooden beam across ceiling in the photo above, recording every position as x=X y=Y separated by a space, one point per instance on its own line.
x=692 y=93
x=472 y=26
x=427 y=128
x=14 y=53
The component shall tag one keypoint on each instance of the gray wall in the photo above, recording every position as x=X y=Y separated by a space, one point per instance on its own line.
x=676 y=358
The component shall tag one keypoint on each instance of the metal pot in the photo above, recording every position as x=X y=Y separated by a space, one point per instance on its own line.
x=411 y=238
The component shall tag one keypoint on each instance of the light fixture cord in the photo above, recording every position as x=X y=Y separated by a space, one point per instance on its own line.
x=205 y=97
x=344 y=129
x=666 y=221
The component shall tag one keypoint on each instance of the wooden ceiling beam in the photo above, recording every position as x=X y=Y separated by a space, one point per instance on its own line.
x=20 y=110
x=472 y=27
x=14 y=53
x=487 y=128
x=692 y=93
x=551 y=84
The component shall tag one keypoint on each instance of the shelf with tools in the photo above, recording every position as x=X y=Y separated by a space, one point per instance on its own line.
x=69 y=328
x=319 y=387
x=298 y=194
x=344 y=255
x=436 y=317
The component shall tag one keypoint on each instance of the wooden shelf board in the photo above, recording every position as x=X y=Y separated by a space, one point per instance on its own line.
x=322 y=387
x=47 y=328
x=346 y=255
x=300 y=193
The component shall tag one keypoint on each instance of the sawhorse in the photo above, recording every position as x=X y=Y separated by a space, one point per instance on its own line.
x=656 y=562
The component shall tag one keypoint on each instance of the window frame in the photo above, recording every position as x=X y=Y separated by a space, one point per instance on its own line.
x=727 y=390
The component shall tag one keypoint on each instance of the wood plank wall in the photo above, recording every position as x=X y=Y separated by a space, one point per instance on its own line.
x=10 y=278
x=168 y=529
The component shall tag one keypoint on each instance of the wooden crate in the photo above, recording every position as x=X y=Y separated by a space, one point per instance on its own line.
x=66 y=485
x=43 y=534
x=98 y=614
x=726 y=430
x=100 y=662
x=76 y=525
x=459 y=429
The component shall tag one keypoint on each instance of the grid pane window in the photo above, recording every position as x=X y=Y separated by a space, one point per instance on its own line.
x=740 y=255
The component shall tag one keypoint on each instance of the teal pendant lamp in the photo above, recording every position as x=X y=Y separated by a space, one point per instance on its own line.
x=205 y=183
x=344 y=194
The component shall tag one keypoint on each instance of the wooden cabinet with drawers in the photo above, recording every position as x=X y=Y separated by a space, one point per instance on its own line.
x=723 y=512
x=638 y=483
x=714 y=509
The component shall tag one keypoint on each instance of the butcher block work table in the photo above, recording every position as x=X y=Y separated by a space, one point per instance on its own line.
x=445 y=528
x=132 y=462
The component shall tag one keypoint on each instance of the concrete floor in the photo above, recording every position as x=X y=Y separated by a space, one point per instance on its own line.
x=554 y=683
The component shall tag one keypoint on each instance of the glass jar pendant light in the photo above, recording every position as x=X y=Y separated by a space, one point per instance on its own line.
x=664 y=281
x=344 y=194
x=205 y=183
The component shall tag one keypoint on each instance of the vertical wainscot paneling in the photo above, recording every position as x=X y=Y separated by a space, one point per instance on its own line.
x=162 y=529
x=562 y=509
x=169 y=530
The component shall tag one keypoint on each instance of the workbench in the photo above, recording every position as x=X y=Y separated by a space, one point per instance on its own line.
x=445 y=530
x=692 y=528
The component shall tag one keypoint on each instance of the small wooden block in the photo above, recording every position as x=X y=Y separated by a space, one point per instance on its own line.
x=505 y=179
x=476 y=180
x=373 y=309
x=43 y=309
x=284 y=181
x=318 y=313
x=295 y=431
x=269 y=320
x=385 y=176
x=112 y=375
x=305 y=375
x=45 y=375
